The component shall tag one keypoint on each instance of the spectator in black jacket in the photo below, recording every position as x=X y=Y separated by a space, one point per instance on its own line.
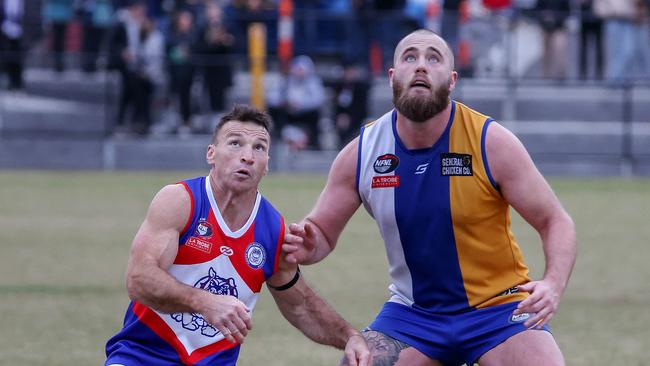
x=57 y=14
x=351 y=101
x=97 y=20
x=213 y=49
x=591 y=31
x=125 y=56
x=181 y=65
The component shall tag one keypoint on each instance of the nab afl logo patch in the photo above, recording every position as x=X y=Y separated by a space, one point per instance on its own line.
x=255 y=255
x=386 y=163
x=204 y=229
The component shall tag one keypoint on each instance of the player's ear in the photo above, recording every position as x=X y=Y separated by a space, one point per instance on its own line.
x=452 y=80
x=209 y=154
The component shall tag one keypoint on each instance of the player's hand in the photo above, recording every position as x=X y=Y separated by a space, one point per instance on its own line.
x=228 y=314
x=299 y=243
x=357 y=352
x=543 y=302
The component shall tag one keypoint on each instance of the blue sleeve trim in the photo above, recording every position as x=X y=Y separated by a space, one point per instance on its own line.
x=195 y=186
x=483 y=153
x=267 y=233
x=358 y=174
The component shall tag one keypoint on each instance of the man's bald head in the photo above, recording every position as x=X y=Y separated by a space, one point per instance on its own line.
x=437 y=42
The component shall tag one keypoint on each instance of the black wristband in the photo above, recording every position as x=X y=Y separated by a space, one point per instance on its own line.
x=287 y=285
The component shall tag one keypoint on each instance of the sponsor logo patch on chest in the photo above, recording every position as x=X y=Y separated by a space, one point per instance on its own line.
x=385 y=164
x=385 y=181
x=453 y=164
x=204 y=229
x=196 y=243
x=226 y=250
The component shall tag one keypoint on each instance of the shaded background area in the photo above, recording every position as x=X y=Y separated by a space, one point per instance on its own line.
x=572 y=82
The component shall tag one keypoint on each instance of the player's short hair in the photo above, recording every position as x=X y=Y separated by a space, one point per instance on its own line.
x=244 y=113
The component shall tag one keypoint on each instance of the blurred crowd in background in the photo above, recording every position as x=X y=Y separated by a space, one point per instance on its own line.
x=168 y=49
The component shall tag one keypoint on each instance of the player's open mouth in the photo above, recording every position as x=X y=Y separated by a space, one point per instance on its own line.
x=243 y=172
x=420 y=84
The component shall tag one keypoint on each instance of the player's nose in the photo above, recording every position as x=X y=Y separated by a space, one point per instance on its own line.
x=247 y=155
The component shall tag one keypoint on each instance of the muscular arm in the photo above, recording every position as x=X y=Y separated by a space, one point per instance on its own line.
x=527 y=192
x=153 y=251
x=313 y=239
x=314 y=317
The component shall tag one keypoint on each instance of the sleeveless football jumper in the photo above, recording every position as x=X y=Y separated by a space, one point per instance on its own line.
x=445 y=225
x=454 y=264
x=213 y=258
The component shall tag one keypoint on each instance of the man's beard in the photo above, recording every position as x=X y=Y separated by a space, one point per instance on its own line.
x=420 y=108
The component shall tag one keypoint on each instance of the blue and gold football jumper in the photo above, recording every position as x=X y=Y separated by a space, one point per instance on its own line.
x=447 y=233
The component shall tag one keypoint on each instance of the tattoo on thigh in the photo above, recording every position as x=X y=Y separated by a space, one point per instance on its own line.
x=385 y=350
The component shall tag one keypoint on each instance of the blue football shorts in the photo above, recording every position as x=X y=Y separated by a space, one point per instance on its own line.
x=451 y=339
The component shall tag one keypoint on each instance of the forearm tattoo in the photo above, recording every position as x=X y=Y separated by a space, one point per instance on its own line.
x=384 y=349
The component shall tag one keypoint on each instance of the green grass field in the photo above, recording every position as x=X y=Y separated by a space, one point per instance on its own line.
x=65 y=236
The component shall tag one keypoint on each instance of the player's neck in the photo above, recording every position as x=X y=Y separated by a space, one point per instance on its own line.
x=235 y=207
x=422 y=135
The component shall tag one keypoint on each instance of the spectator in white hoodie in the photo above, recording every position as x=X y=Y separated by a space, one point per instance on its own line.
x=297 y=100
